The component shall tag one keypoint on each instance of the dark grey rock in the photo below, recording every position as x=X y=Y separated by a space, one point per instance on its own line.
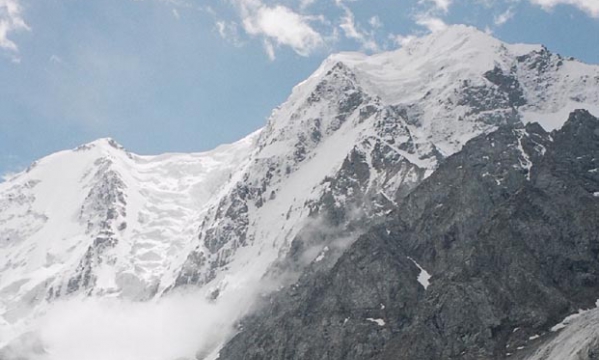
x=508 y=230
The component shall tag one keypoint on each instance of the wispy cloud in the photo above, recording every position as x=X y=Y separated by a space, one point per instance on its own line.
x=229 y=30
x=431 y=22
x=442 y=5
x=269 y=49
x=305 y=3
x=353 y=31
x=431 y=18
x=375 y=22
x=504 y=17
x=276 y=24
x=401 y=40
x=280 y=26
x=11 y=20
x=591 y=7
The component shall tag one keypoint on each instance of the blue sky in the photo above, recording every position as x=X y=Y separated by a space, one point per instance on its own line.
x=187 y=75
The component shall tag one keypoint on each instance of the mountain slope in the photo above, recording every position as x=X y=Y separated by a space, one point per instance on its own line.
x=346 y=148
x=104 y=222
x=508 y=258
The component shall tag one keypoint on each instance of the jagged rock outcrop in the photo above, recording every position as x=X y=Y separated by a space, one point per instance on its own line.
x=506 y=228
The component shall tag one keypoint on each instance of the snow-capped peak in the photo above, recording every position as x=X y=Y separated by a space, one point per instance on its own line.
x=434 y=77
x=361 y=132
x=103 y=143
x=456 y=40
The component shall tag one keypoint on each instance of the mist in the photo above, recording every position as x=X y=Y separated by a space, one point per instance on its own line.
x=175 y=327
x=185 y=324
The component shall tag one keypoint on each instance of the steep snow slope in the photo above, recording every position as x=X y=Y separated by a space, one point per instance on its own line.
x=362 y=131
x=102 y=221
x=359 y=133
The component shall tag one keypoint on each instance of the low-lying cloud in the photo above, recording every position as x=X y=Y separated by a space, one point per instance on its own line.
x=176 y=327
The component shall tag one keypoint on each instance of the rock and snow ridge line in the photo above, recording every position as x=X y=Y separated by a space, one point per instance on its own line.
x=104 y=222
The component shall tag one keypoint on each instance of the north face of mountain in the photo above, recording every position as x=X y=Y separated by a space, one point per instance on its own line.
x=390 y=118
x=506 y=229
x=349 y=146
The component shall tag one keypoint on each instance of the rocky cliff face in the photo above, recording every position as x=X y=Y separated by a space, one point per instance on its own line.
x=423 y=144
x=506 y=229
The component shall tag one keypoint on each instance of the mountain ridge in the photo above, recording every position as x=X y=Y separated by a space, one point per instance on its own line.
x=360 y=133
x=482 y=299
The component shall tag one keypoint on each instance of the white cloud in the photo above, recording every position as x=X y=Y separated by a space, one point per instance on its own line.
x=98 y=329
x=352 y=30
x=402 y=40
x=280 y=25
x=305 y=3
x=270 y=50
x=375 y=22
x=432 y=23
x=439 y=4
x=229 y=30
x=11 y=20
x=504 y=17
x=221 y=26
x=589 y=6
x=177 y=326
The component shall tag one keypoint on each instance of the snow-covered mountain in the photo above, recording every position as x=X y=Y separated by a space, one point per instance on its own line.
x=350 y=142
x=488 y=258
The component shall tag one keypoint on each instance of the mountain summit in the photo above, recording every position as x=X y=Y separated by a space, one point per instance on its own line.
x=350 y=147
